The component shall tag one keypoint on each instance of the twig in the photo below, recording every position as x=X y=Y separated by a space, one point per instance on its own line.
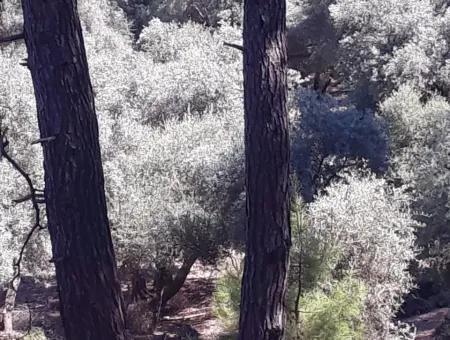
x=12 y=38
x=43 y=140
x=236 y=46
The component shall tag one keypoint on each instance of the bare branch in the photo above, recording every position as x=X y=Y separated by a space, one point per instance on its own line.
x=39 y=198
x=12 y=38
x=43 y=140
x=236 y=46
x=23 y=199
x=24 y=62
x=35 y=195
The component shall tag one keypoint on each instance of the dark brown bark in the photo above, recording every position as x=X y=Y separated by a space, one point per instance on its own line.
x=267 y=171
x=167 y=284
x=90 y=297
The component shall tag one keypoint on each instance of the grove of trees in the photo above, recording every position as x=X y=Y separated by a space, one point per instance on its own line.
x=140 y=139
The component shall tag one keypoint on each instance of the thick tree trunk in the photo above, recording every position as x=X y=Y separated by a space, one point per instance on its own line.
x=90 y=296
x=267 y=171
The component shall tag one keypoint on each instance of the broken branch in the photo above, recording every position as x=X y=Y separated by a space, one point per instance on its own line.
x=236 y=46
x=43 y=140
x=12 y=38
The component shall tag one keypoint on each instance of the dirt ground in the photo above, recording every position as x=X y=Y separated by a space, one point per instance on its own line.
x=188 y=315
x=191 y=310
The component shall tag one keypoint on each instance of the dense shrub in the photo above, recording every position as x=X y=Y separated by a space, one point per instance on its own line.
x=351 y=248
x=10 y=17
x=372 y=226
x=198 y=72
x=227 y=295
x=171 y=137
x=17 y=113
x=387 y=43
x=336 y=314
x=186 y=185
x=420 y=158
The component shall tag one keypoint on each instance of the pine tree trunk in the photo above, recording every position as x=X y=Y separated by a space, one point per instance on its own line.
x=267 y=171
x=90 y=296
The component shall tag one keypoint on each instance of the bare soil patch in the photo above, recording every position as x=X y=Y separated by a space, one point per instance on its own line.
x=187 y=316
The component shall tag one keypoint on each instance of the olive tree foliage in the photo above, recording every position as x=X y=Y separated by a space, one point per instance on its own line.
x=177 y=191
x=391 y=58
x=385 y=43
x=361 y=230
x=194 y=72
x=364 y=227
x=420 y=161
x=17 y=113
x=170 y=131
x=331 y=135
x=371 y=47
x=171 y=134
x=10 y=17
x=167 y=77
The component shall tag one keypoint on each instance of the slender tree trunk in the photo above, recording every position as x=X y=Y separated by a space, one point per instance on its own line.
x=267 y=171
x=90 y=296
x=178 y=280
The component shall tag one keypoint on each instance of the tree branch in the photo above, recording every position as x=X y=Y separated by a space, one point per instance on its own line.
x=335 y=175
x=12 y=38
x=35 y=196
x=236 y=46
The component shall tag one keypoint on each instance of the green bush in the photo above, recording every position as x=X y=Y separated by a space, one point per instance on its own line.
x=35 y=334
x=227 y=296
x=313 y=257
x=336 y=314
x=326 y=314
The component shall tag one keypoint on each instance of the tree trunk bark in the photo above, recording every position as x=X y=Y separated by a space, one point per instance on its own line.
x=267 y=171
x=177 y=280
x=89 y=290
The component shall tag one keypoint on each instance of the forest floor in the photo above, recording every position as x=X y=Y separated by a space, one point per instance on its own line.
x=188 y=315
x=190 y=311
